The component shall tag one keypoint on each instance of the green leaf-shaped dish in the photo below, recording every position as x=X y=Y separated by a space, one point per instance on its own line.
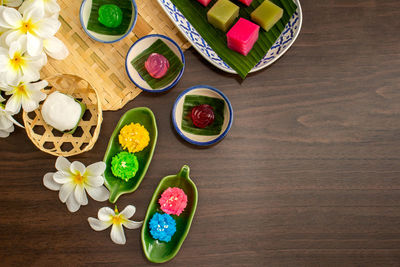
x=158 y=251
x=117 y=187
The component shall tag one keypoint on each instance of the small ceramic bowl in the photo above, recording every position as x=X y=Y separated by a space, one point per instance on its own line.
x=201 y=140
x=84 y=14
x=138 y=47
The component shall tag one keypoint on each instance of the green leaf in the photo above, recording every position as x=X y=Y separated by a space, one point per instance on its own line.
x=158 y=251
x=192 y=101
x=117 y=187
x=196 y=14
x=94 y=24
x=175 y=64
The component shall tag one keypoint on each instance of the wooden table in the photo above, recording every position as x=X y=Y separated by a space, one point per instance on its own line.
x=308 y=175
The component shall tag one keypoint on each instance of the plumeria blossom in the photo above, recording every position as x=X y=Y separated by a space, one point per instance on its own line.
x=32 y=24
x=108 y=217
x=26 y=95
x=55 y=48
x=73 y=180
x=50 y=7
x=6 y=121
x=17 y=65
x=11 y=3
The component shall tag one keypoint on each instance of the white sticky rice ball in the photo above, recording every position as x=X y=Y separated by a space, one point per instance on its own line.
x=61 y=111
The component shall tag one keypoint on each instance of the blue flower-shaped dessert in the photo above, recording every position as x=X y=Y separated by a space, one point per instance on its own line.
x=162 y=227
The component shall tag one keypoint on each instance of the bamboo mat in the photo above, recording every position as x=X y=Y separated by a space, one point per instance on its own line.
x=103 y=65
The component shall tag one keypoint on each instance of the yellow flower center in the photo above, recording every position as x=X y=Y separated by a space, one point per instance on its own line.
x=79 y=179
x=20 y=90
x=117 y=219
x=27 y=26
x=17 y=61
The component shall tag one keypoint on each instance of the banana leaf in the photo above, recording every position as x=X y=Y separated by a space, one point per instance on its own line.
x=175 y=64
x=192 y=101
x=196 y=14
x=94 y=24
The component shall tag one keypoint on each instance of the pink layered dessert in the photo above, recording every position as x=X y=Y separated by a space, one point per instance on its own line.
x=242 y=36
x=206 y=2
x=246 y=2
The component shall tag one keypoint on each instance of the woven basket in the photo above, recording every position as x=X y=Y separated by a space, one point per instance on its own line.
x=50 y=140
x=103 y=65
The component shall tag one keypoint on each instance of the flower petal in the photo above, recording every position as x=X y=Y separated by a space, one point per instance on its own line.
x=38 y=85
x=62 y=177
x=128 y=211
x=77 y=167
x=47 y=28
x=13 y=3
x=62 y=164
x=29 y=105
x=132 y=224
x=5 y=133
x=55 y=48
x=12 y=36
x=72 y=204
x=49 y=182
x=66 y=191
x=5 y=123
x=117 y=234
x=52 y=7
x=14 y=77
x=34 y=45
x=9 y=17
x=98 y=193
x=14 y=104
x=105 y=214
x=98 y=225
x=94 y=181
x=96 y=169
x=80 y=195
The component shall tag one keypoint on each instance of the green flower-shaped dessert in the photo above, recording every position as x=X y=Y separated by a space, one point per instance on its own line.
x=124 y=165
x=110 y=15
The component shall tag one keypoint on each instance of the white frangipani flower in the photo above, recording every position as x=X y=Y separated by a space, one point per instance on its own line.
x=11 y=3
x=33 y=24
x=74 y=180
x=25 y=94
x=6 y=121
x=50 y=7
x=17 y=65
x=108 y=217
x=55 y=48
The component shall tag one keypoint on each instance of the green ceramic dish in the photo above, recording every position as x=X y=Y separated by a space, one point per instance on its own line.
x=117 y=187
x=158 y=251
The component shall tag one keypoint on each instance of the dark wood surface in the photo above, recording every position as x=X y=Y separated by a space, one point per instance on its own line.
x=308 y=175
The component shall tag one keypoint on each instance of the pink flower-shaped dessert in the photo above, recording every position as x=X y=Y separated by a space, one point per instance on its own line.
x=157 y=65
x=173 y=201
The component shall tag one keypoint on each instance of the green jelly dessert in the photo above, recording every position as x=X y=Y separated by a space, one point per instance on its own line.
x=110 y=15
x=223 y=14
x=194 y=101
x=124 y=165
x=267 y=15
x=175 y=65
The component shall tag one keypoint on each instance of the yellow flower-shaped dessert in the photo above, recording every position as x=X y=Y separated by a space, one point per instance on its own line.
x=134 y=137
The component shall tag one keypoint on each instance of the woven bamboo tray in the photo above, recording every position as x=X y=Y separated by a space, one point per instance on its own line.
x=51 y=141
x=103 y=65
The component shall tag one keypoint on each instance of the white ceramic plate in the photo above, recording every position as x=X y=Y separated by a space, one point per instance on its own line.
x=284 y=42
x=201 y=140
x=84 y=15
x=138 y=47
